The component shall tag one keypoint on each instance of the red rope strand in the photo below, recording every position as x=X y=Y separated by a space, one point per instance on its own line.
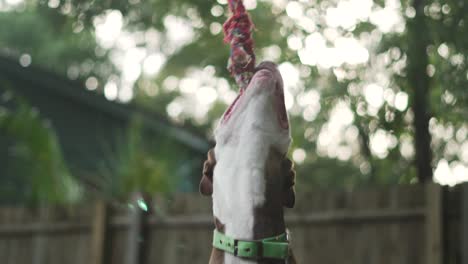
x=238 y=33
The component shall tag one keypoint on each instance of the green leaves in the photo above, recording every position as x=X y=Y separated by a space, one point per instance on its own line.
x=37 y=158
x=144 y=162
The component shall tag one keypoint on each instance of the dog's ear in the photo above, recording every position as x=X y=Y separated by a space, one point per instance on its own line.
x=289 y=194
x=206 y=183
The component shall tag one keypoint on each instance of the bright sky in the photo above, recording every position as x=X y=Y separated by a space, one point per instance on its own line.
x=330 y=48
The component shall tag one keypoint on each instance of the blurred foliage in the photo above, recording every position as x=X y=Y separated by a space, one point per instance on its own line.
x=37 y=160
x=139 y=166
x=141 y=163
x=51 y=43
x=62 y=38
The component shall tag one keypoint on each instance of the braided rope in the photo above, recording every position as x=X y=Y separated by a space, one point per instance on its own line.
x=238 y=33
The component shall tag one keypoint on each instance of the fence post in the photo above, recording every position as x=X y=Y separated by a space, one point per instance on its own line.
x=134 y=231
x=433 y=230
x=464 y=223
x=98 y=235
x=40 y=239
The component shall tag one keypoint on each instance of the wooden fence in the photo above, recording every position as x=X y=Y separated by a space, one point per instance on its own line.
x=417 y=224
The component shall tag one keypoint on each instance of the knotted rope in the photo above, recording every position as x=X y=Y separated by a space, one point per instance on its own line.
x=238 y=33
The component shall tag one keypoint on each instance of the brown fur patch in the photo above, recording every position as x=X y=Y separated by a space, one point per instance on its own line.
x=217 y=256
x=269 y=218
x=206 y=183
x=289 y=181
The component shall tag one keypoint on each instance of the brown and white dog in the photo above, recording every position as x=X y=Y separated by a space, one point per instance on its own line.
x=247 y=174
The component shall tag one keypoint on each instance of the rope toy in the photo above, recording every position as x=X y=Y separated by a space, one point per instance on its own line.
x=238 y=33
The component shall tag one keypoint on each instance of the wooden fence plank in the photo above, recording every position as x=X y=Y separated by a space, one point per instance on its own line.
x=464 y=223
x=98 y=233
x=434 y=224
x=200 y=221
x=42 y=228
x=40 y=240
x=135 y=241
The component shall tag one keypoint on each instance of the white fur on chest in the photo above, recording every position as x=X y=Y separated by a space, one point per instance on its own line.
x=242 y=147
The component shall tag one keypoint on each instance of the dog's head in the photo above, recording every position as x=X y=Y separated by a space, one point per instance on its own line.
x=265 y=72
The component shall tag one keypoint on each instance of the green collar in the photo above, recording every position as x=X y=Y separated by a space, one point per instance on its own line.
x=273 y=247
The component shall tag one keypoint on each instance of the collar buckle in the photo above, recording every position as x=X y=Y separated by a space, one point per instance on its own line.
x=235 y=247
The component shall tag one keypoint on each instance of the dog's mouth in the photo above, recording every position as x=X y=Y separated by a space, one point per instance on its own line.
x=279 y=104
x=231 y=108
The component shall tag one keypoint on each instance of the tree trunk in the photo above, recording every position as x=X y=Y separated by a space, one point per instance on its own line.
x=366 y=151
x=418 y=40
